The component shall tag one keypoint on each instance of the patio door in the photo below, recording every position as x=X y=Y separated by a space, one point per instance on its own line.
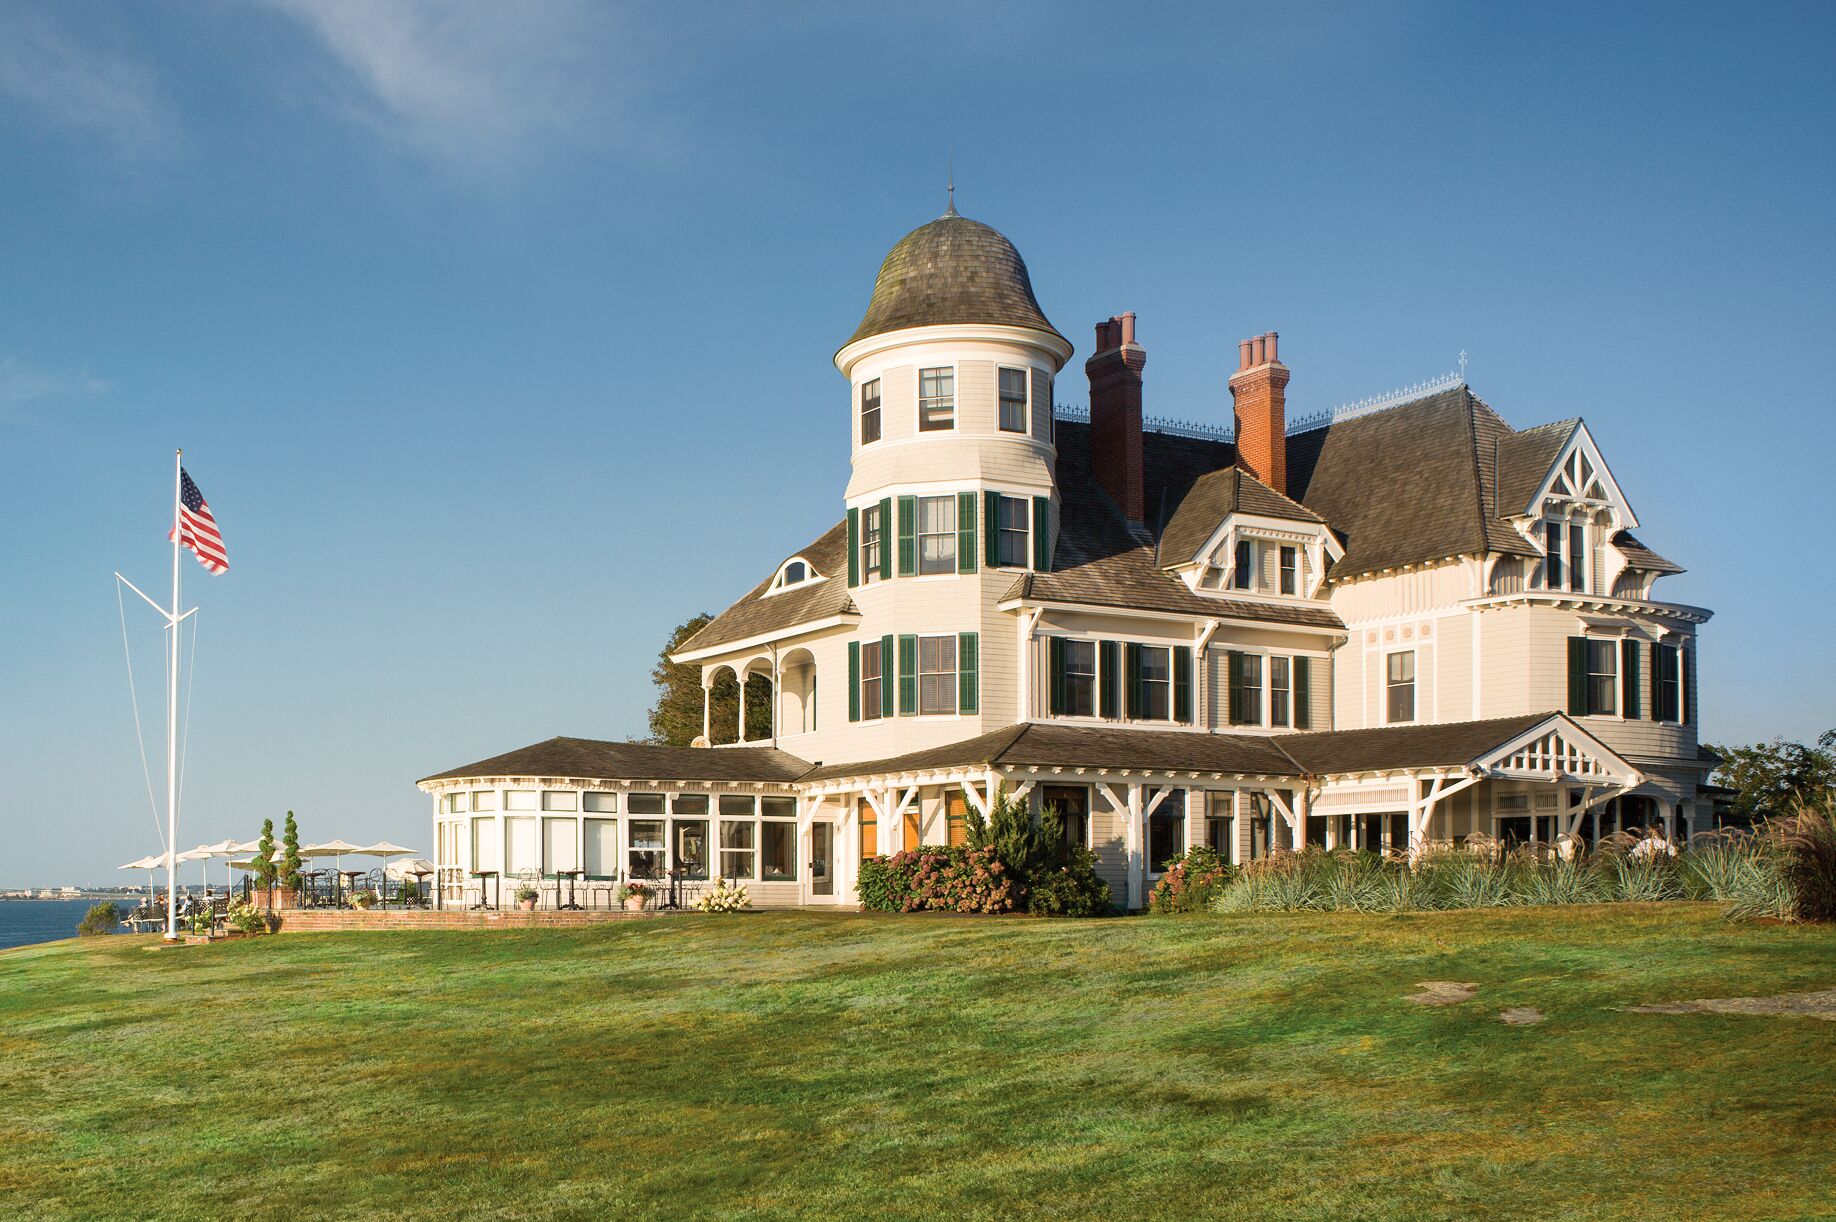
x=822 y=862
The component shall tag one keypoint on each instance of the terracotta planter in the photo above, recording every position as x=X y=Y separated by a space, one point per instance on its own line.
x=636 y=903
x=526 y=905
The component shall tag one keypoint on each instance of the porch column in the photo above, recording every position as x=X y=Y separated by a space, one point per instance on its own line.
x=1668 y=812
x=1137 y=863
x=707 y=704
x=742 y=707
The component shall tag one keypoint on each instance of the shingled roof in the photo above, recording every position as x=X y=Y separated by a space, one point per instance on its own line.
x=1448 y=745
x=590 y=759
x=953 y=270
x=1213 y=497
x=759 y=612
x=1103 y=561
x=1524 y=459
x=1641 y=557
x=1407 y=485
x=1046 y=745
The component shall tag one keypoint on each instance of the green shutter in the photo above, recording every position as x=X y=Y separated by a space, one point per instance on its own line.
x=886 y=676
x=1042 y=534
x=908 y=675
x=1577 y=676
x=1630 y=691
x=854 y=548
x=854 y=680
x=886 y=530
x=908 y=535
x=1108 y=687
x=1233 y=668
x=968 y=673
x=1055 y=667
x=1303 y=693
x=1135 y=693
x=1682 y=685
x=1182 y=684
x=991 y=529
x=965 y=532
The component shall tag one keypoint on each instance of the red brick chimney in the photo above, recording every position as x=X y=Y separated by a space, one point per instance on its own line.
x=1115 y=413
x=1260 y=388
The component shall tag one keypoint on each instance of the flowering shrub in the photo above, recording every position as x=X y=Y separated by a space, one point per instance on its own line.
x=1188 y=882
x=942 y=879
x=249 y=918
x=724 y=896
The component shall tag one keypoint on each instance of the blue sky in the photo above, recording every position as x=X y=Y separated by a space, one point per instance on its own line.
x=498 y=336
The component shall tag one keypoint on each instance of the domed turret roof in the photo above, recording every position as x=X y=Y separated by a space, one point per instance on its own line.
x=953 y=270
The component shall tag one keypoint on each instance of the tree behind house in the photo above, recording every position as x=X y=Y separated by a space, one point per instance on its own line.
x=675 y=719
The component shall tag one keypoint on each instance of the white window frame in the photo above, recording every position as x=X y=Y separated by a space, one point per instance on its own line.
x=948 y=534
x=1003 y=532
x=1001 y=401
x=953 y=684
x=1095 y=674
x=879 y=416
x=1167 y=652
x=1414 y=685
x=873 y=543
x=873 y=710
x=921 y=398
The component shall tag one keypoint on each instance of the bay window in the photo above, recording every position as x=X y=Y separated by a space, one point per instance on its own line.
x=873 y=540
x=737 y=844
x=870 y=411
x=1013 y=520
x=937 y=686
x=778 y=851
x=872 y=679
x=646 y=855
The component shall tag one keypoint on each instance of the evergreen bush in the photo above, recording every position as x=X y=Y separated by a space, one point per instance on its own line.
x=100 y=919
x=290 y=859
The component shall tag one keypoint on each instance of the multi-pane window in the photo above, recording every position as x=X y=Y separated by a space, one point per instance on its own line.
x=1668 y=661
x=646 y=853
x=737 y=841
x=692 y=843
x=937 y=534
x=1156 y=683
x=870 y=411
x=1013 y=400
x=1243 y=574
x=1399 y=683
x=1281 y=691
x=1080 y=659
x=872 y=676
x=936 y=399
x=1577 y=556
x=1290 y=558
x=1553 y=576
x=1246 y=692
x=873 y=539
x=1015 y=517
x=937 y=674
x=1602 y=676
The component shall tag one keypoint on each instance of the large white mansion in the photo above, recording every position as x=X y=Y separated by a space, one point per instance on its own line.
x=1403 y=623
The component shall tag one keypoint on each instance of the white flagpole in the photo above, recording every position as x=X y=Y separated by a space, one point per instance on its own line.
x=172 y=676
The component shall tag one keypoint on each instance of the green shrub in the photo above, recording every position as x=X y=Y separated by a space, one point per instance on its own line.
x=1190 y=881
x=100 y=919
x=941 y=879
x=1072 y=889
x=250 y=918
x=1556 y=881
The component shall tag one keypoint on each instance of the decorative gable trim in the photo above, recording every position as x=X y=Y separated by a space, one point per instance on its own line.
x=1579 y=456
x=1558 y=749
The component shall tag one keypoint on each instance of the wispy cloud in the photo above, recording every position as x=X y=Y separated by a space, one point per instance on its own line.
x=21 y=385
x=79 y=84
x=468 y=81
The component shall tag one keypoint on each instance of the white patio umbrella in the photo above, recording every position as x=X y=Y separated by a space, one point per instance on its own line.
x=385 y=850
x=414 y=867
x=149 y=863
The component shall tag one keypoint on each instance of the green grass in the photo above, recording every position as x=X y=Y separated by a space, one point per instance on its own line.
x=871 y=1066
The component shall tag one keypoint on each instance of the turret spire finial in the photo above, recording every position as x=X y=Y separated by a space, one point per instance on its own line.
x=951 y=209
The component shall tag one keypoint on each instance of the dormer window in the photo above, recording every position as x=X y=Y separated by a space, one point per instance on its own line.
x=1243 y=575
x=1290 y=560
x=870 y=412
x=794 y=573
x=936 y=400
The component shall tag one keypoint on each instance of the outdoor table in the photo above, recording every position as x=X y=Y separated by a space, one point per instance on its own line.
x=482 y=876
x=349 y=879
x=312 y=878
x=420 y=879
x=570 y=876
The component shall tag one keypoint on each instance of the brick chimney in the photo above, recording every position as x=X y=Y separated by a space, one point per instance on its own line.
x=1115 y=413
x=1260 y=388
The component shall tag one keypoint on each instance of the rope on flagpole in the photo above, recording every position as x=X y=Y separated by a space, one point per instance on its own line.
x=134 y=698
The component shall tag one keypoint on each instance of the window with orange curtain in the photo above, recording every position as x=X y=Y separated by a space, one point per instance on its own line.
x=956 y=810
x=870 y=829
x=910 y=829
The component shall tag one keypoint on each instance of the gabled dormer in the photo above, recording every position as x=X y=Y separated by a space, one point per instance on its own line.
x=1233 y=536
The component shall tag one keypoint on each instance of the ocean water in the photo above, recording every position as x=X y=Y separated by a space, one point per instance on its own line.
x=23 y=922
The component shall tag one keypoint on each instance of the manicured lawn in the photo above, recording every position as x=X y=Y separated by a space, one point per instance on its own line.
x=873 y=1066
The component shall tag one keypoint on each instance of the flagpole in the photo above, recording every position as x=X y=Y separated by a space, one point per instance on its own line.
x=172 y=676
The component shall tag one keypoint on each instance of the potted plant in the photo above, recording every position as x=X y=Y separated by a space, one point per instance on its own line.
x=526 y=897
x=290 y=864
x=635 y=896
x=363 y=900
x=265 y=869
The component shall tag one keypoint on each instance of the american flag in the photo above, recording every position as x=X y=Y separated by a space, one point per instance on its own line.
x=197 y=529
